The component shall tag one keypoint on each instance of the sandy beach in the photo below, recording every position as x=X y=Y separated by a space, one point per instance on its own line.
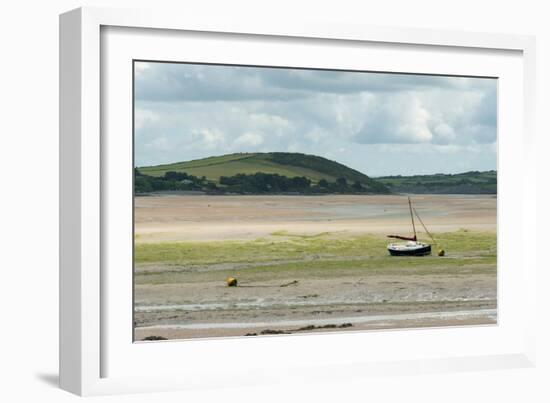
x=194 y=218
x=308 y=264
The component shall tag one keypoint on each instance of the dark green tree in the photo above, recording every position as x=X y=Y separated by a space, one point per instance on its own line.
x=342 y=182
x=357 y=186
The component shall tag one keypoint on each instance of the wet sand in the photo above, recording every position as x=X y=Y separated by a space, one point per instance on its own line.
x=193 y=218
x=191 y=300
x=474 y=317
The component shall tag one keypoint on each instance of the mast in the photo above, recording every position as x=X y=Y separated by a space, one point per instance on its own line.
x=412 y=218
x=406 y=238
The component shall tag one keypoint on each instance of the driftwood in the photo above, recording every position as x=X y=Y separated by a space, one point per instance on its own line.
x=287 y=284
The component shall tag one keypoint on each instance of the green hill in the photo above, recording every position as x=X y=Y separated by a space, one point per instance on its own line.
x=288 y=165
x=473 y=182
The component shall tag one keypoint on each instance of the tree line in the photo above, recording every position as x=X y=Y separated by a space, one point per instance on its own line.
x=257 y=183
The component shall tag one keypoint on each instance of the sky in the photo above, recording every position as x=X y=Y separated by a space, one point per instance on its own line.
x=377 y=123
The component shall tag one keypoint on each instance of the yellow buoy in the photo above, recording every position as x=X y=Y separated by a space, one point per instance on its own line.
x=231 y=282
x=441 y=252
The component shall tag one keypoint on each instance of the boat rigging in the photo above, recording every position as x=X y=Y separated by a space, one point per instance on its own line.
x=412 y=247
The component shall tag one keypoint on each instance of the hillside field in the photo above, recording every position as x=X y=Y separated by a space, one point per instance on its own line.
x=285 y=164
x=251 y=173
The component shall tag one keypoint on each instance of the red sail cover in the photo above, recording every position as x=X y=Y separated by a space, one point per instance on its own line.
x=405 y=238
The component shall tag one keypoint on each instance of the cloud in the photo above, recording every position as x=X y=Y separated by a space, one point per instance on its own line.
x=395 y=119
x=444 y=134
x=167 y=82
x=202 y=110
x=249 y=140
x=208 y=138
x=195 y=82
x=143 y=117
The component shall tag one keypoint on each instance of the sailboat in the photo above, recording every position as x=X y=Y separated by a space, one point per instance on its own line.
x=412 y=247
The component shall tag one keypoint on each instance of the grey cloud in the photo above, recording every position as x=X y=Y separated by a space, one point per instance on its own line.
x=341 y=82
x=164 y=82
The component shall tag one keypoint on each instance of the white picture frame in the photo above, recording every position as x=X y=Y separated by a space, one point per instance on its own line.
x=96 y=357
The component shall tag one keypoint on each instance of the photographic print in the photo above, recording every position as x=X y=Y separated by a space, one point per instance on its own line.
x=274 y=201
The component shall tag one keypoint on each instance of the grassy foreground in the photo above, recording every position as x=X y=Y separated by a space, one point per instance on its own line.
x=285 y=255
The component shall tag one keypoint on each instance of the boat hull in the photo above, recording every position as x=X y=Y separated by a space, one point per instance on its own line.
x=423 y=250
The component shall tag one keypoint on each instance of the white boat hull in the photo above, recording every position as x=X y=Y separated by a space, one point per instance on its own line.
x=410 y=249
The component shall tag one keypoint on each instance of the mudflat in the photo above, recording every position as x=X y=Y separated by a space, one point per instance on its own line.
x=309 y=264
x=195 y=218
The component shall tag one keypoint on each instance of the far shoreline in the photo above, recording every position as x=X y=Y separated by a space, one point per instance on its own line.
x=169 y=217
x=202 y=193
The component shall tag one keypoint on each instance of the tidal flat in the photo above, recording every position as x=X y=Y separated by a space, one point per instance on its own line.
x=309 y=264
